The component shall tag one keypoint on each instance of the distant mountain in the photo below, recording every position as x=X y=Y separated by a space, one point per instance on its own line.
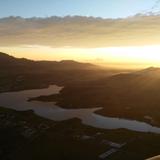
x=143 y=78
x=21 y=73
x=151 y=71
x=66 y=65
x=7 y=61
x=4 y=57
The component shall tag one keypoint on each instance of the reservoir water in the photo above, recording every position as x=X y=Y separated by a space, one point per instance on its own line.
x=18 y=101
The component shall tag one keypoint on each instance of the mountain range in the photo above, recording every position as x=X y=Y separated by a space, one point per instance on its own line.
x=133 y=95
x=7 y=61
x=21 y=73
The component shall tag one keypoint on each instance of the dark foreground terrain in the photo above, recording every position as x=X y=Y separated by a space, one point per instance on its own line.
x=24 y=135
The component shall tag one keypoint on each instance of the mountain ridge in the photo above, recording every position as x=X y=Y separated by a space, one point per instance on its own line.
x=8 y=60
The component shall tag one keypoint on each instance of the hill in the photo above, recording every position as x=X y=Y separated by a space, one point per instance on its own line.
x=7 y=61
x=133 y=95
x=21 y=73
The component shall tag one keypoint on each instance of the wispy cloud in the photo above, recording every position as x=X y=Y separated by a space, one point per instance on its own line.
x=86 y=32
x=155 y=5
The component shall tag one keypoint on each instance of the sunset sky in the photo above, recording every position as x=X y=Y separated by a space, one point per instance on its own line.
x=101 y=31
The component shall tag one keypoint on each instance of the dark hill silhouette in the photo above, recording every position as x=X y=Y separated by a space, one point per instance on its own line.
x=7 y=58
x=151 y=71
x=21 y=73
x=8 y=61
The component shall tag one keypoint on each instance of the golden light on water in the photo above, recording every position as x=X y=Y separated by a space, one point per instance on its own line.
x=149 y=55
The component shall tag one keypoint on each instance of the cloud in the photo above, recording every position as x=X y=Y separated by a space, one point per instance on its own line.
x=85 y=32
x=156 y=5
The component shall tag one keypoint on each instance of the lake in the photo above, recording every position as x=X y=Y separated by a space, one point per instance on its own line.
x=18 y=101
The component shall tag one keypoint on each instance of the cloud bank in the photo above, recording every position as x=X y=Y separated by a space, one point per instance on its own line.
x=80 y=32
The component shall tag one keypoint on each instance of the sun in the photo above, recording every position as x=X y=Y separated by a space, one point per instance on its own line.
x=143 y=54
